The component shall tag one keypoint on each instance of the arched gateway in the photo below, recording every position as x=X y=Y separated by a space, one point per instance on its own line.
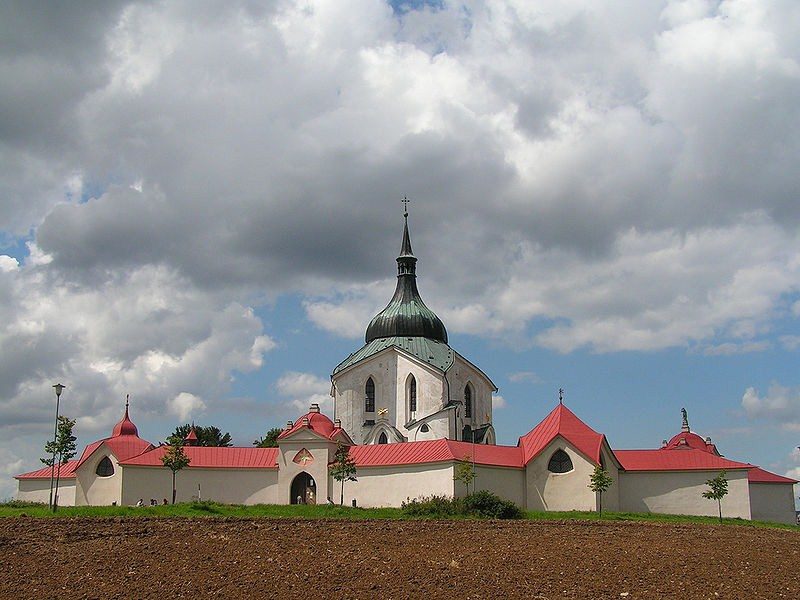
x=303 y=489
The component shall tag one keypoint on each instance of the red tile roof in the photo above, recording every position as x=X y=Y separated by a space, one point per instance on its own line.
x=213 y=457
x=759 y=475
x=430 y=451
x=124 y=441
x=670 y=459
x=318 y=423
x=562 y=421
x=687 y=439
x=67 y=472
x=123 y=447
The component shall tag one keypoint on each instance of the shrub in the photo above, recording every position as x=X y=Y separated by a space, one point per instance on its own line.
x=22 y=504
x=481 y=504
x=431 y=506
x=208 y=506
x=488 y=505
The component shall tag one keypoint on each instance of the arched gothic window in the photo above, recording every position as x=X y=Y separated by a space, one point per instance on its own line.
x=382 y=439
x=468 y=402
x=560 y=462
x=105 y=468
x=412 y=394
x=369 y=396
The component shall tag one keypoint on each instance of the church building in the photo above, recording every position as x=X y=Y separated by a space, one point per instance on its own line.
x=411 y=410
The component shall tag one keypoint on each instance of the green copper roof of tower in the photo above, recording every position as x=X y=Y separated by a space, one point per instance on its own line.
x=406 y=314
x=435 y=353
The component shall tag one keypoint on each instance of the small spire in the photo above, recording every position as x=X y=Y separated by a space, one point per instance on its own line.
x=560 y=395
x=406 y=257
x=685 y=423
x=191 y=438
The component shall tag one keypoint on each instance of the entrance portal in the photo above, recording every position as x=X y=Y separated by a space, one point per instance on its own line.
x=303 y=489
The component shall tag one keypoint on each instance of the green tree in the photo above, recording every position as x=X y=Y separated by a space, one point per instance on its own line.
x=175 y=459
x=270 y=440
x=465 y=473
x=599 y=482
x=206 y=436
x=719 y=489
x=61 y=450
x=343 y=467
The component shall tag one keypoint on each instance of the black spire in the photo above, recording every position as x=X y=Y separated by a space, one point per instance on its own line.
x=406 y=314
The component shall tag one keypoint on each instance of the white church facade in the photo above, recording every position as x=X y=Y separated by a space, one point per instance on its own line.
x=411 y=409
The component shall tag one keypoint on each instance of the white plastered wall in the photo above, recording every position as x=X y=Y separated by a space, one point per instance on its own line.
x=391 y=486
x=459 y=375
x=38 y=490
x=349 y=393
x=560 y=491
x=773 y=502
x=506 y=482
x=430 y=398
x=681 y=492
x=390 y=370
x=94 y=490
x=229 y=486
x=610 y=498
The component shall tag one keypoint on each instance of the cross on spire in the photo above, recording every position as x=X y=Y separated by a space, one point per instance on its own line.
x=405 y=202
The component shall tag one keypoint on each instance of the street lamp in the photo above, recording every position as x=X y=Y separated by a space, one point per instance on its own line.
x=59 y=388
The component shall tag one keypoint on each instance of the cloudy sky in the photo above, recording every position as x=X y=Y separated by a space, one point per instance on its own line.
x=200 y=206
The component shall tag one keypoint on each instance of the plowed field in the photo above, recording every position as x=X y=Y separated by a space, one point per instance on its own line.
x=325 y=558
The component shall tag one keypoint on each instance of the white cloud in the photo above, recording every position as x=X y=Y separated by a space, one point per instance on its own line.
x=601 y=176
x=498 y=402
x=11 y=465
x=524 y=377
x=186 y=406
x=729 y=349
x=790 y=342
x=781 y=404
x=8 y=263
x=301 y=390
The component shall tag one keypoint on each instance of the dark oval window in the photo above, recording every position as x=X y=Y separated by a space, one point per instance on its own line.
x=560 y=462
x=105 y=468
x=382 y=439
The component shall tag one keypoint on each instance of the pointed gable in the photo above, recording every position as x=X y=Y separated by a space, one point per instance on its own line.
x=123 y=443
x=562 y=421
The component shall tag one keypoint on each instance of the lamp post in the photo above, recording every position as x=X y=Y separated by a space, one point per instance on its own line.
x=59 y=388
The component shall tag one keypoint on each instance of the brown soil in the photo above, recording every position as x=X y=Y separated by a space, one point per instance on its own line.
x=298 y=558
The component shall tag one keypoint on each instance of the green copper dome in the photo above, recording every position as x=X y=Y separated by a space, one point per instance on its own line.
x=406 y=314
